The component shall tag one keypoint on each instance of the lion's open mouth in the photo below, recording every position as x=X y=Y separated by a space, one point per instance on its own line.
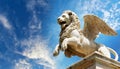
x=63 y=22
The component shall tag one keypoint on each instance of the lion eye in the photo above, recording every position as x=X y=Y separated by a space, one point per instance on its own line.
x=63 y=16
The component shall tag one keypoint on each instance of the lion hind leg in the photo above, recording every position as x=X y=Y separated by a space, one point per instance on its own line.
x=104 y=51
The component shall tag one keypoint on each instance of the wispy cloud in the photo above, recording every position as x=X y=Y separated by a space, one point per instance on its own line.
x=33 y=3
x=5 y=22
x=22 y=64
x=36 y=48
x=115 y=26
x=107 y=11
x=111 y=16
x=35 y=22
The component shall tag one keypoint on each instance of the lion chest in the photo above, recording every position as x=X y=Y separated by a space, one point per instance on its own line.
x=64 y=34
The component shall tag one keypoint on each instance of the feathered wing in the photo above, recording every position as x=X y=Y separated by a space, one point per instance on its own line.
x=93 y=25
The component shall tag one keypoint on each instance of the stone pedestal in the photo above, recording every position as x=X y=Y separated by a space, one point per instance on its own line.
x=96 y=61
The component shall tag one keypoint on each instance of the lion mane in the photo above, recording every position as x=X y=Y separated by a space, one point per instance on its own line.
x=74 y=24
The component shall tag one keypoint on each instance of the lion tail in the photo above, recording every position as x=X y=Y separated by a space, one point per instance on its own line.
x=114 y=53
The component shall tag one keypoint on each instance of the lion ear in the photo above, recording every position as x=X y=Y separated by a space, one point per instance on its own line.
x=70 y=13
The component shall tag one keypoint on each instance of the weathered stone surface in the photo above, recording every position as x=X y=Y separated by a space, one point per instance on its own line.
x=73 y=50
x=96 y=61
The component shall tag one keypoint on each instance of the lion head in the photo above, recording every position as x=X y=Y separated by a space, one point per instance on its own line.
x=68 y=18
x=68 y=21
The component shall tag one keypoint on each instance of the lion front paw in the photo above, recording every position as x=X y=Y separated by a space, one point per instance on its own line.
x=56 y=51
x=64 y=45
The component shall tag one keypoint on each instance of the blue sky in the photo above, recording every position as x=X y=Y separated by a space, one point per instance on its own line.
x=29 y=31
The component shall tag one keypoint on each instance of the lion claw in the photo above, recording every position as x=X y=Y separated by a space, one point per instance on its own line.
x=55 y=53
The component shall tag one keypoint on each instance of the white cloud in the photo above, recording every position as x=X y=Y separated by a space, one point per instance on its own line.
x=22 y=64
x=90 y=7
x=34 y=23
x=36 y=48
x=106 y=15
x=113 y=19
x=106 y=10
x=33 y=3
x=115 y=26
x=5 y=22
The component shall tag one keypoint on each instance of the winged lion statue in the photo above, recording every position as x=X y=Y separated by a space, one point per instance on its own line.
x=82 y=40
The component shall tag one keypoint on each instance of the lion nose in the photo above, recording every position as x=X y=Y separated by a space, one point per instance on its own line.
x=58 y=19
